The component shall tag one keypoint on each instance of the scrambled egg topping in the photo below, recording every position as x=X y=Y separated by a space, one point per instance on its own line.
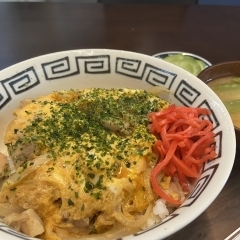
x=98 y=156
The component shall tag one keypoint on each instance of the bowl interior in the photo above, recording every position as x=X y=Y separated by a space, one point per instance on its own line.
x=119 y=69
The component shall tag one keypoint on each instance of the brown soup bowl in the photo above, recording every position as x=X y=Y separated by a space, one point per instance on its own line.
x=222 y=70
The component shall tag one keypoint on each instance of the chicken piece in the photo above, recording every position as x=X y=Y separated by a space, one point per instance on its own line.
x=27 y=222
x=33 y=226
x=14 y=220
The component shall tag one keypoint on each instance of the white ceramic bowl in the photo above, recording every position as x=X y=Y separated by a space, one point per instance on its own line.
x=112 y=68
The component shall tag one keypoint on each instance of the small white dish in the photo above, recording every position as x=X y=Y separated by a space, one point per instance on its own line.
x=168 y=53
x=171 y=56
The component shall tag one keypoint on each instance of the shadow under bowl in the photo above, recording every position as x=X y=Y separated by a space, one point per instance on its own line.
x=220 y=70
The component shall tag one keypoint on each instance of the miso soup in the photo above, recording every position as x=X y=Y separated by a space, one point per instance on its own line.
x=228 y=89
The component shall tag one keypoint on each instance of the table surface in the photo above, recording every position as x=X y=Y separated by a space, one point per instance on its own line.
x=31 y=29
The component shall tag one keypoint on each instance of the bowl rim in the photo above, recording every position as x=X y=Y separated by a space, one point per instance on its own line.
x=217 y=65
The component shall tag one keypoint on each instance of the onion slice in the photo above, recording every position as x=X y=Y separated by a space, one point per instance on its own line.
x=139 y=222
x=7 y=208
x=18 y=176
x=117 y=232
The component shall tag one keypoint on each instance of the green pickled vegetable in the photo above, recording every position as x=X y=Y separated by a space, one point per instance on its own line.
x=201 y=64
x=188 y=63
